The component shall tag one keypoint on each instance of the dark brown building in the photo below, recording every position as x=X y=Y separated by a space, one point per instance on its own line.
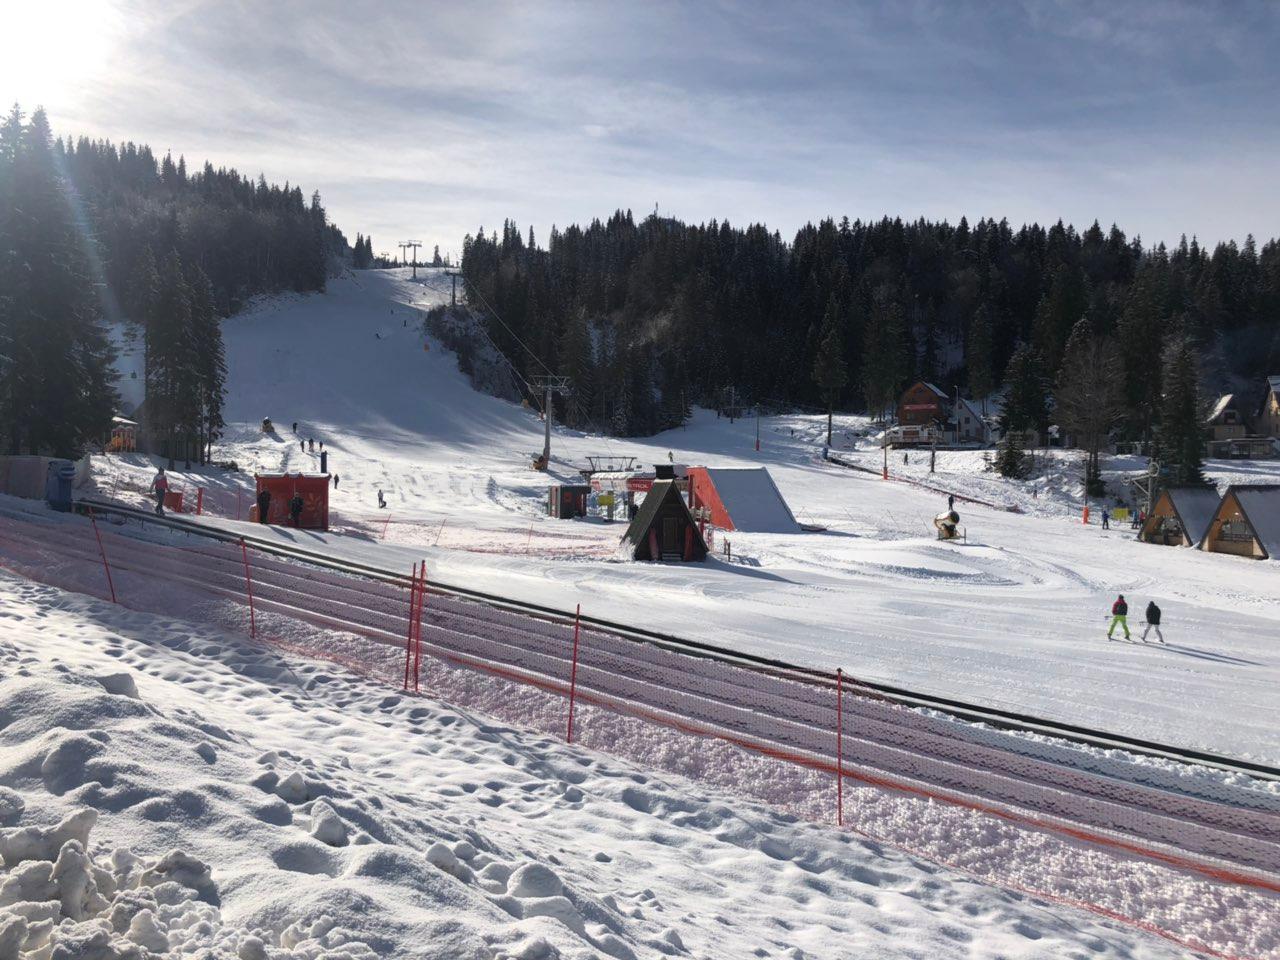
x=923 y=404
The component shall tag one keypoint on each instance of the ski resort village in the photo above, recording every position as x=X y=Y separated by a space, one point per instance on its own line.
x=698 y=572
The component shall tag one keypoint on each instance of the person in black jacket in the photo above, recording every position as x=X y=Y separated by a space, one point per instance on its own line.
x=264 y=505
x=295 y=509
x=1153 y=620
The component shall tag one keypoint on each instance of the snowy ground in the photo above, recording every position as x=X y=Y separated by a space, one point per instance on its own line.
x=316 y=815
x=1013 y=618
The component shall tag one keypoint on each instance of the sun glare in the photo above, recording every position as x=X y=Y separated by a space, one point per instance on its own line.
x=49 y=52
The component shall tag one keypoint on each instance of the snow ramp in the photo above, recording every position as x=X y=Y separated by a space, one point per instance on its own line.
x=742 y=498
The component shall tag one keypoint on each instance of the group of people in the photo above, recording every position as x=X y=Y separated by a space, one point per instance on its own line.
x=1120 y=618
x=1136 y=518
x=295 y=507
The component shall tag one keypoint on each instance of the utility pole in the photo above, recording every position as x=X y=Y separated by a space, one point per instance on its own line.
x=550 y=386
x=453 y=291
x=404 y=258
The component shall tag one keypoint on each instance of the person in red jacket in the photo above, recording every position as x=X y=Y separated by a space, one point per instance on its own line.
x=159 y=487
x=1119 y=617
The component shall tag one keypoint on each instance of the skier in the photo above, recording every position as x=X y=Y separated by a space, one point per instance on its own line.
x=295 y=509
x=303 y=445
x=322 y=446
x=311 y=445
x=1106 y=519
x=1153 y=620
x=905 y=457
x=160 y=486
x=295 y=428
x=1134 y=518
x=335 y=481
x=951 y=502
x=264 y=505
x=1119 y=617
x=382 y=503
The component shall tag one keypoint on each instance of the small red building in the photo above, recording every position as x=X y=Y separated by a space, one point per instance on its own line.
x=314 y=488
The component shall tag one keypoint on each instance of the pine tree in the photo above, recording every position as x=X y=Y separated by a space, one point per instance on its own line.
x=829 y=371
x=1180 y=444
x=1089 y=399
x=58 y=396
x=1010 y=460
x=1141 y=333
x=979 y=356
x=1026 y=403
x=209 y=360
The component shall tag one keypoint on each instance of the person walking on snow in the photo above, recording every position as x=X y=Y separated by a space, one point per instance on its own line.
x=951 y=502
x=1153 y=620
x=264 y=505
x=159 y=487
x=295 y=509
x=303 y=445
x=335 y=481
x=1106 y=519
x=1119 y=617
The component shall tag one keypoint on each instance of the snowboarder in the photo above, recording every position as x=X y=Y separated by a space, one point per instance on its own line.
x=264 y=505
x=159 y=487
x=295 y=509
x=382 y=503
x=1153 y=620
x=1106 y=519
x=1119 y=617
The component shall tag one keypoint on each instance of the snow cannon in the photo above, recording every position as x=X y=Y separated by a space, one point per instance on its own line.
x=947 y=525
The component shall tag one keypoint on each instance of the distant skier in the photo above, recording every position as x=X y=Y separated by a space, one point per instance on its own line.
x=322 y=446
x=382 y=502
x=264 y=505
x=951 y=502
x=303 y=445
x=905 y=459
x=1119 y=617
x=295 y=428
x=335 y=481
x=311 y=445
x=159 y=487
x=1106 y=519
x=295 y=509
x=1135 y=518
x=1153 y=620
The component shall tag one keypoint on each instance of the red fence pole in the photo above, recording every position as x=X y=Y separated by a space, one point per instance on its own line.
x=105 y=566
x=408 y=640
x=573 y=673
x=248 y=586
x=417 y=629
x=839 y=747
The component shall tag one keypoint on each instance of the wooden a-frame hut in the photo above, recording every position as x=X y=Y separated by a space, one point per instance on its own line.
x=1246 y=523
x=1180 y=516
x=663 y=528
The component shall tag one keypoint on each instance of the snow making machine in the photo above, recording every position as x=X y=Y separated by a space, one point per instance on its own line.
x=947 y=524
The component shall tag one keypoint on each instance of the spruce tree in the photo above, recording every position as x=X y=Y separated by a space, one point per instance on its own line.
x=1180 y=443
x=829 y=371
x=1026 y=403
x=1089 y=399
x=979 y=356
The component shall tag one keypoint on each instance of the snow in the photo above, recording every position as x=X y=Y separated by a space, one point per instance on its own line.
x=1013 y=616
x=154 y=820
x=752 y=500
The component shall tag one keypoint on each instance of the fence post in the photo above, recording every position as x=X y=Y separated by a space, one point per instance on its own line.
x=417 y=632
x=408 y=640
x=248 y=586
x=199 y=500
x=839 y=747
x=573 y=673
x=105 y=566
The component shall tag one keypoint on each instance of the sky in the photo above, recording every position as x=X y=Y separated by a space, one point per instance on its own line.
x=424 y=121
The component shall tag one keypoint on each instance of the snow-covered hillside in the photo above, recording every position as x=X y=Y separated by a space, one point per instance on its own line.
x=1013 y=617
x=257 y=807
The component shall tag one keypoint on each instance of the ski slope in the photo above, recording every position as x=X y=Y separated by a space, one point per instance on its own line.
x=1013 y=617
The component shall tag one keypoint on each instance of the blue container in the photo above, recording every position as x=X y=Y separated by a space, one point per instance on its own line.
x=58 y=483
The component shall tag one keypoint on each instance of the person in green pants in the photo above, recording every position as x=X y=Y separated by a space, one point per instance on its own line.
x=1119 y=617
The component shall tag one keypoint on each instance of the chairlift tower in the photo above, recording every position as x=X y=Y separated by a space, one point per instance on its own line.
x=411 y=245
x=550 y=386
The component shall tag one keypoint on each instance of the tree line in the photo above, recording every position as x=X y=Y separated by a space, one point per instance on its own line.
x=648 y=318
x=94 y=236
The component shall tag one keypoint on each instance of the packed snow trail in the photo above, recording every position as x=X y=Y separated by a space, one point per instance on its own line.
x=1013 y=618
